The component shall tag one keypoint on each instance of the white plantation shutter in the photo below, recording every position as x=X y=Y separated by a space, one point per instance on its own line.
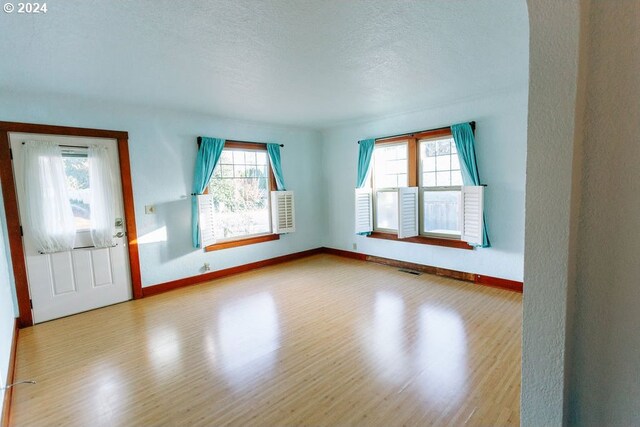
x=472 y=205
x=364 y=211
x=407 y=212
x=206 y=220
x=282 y=212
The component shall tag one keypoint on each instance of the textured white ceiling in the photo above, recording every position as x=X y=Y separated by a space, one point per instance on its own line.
x=309 y=63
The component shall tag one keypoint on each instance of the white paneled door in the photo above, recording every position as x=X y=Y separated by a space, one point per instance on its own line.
x=69 y=282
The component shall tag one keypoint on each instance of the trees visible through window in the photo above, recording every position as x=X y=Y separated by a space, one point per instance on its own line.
x=76 y=169
x=240 y=186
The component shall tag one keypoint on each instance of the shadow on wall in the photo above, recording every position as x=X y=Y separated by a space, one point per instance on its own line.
x=173 y=224
x=507 y=221
x=176 y=217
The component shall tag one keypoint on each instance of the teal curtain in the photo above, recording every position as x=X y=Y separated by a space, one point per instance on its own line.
x=364 y=163
x=206 y=161
x=465 y=144
x=364 y=160
x=276 y=165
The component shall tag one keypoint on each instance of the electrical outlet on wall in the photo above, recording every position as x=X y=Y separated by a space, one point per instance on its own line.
x=355 y=246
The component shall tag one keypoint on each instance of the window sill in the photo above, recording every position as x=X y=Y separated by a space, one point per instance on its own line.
x=242 y=242
x=449 y=243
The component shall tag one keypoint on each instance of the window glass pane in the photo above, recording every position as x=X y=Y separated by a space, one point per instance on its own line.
x=439 y=156
x=396 y=166
x=241 y=195
x=443 y=179
x=390 y=165
x=429 y=179
x=226 y=170
x=76 y=169
x=239 y=170
x=431 y=148
x=429 y=164
x=250 y=157
x=444 y=147
x=238 y=157
x=443 y=163
x=387 y=210
x=456 y=178
x=441 y=212
x=253 y=172
x=226 y=157
x=261 y=157
x=455 y=162
x=386 y=181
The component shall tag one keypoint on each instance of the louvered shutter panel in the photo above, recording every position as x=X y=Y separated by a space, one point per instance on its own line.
x=364 y=211
x=206 y=220
x=472 y=206
x=282 y=212
x=407 y=212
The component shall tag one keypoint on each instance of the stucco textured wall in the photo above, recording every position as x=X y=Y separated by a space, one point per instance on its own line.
x=605 y=383
x=553 y=104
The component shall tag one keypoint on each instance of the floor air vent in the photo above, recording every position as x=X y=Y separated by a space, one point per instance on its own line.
x=415 y=273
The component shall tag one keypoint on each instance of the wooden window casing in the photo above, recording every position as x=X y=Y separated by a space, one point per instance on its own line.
x=413 y=170
x=257 y=238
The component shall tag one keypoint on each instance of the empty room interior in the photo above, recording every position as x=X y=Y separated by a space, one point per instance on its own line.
x=320 y=213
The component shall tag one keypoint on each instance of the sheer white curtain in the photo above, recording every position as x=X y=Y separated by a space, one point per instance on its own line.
x=48 y=210
x=102 y=197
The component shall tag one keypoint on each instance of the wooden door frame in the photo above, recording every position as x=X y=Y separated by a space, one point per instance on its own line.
x=25 y=317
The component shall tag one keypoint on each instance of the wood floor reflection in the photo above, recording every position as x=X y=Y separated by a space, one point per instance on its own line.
x=318 y=341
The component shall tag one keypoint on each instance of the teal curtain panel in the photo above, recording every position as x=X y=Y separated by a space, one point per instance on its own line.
x=364 y=160
x=276 y=165
x=465 y=144
x=206 y=161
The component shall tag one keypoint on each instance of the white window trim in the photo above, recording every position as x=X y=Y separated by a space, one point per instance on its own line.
x=421 y=191
x=423 y=188
x=374 y=202
x=375 y=190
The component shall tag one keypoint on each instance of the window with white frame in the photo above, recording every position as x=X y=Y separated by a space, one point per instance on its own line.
x=390 y=172
x=440 y=182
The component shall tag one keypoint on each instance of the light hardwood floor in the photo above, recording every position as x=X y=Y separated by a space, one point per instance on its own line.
x=319 y=341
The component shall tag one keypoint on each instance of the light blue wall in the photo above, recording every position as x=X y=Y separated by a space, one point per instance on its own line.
x=501 y=137
x=162 y=146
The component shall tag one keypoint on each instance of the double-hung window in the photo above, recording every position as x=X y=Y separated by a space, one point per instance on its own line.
x=240 y=186
x=241 y=205
x=440 y=183
x=418 y=194
x=390 y=172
